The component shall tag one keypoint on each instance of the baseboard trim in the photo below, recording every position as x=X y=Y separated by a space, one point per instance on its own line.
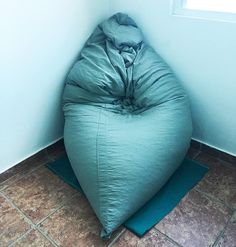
x=213 y=151
x=46 y=154
x=59 y=145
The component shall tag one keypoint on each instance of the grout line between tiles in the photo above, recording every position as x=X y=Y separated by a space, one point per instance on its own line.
x=215 y=199
x=59 y=207
x=21 y=176
x=30 y=222
x=168 y=238
x=37 y=225
x=222 y=232
x=20 y=212
x=19 y=238
x=196 y=154
x=117 y=237
x=31 y=229
x=48 y=160
x=52 y=241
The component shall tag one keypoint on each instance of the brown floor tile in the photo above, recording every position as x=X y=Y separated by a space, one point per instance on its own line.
x=39 y=193
x=195 y=144
x=75 y=224
x=220 y=181
x=196 y=221
x=33 y=239
x=24 y=167
x=56 y=150
x=152 y=238
x=227 y=157
x=229 y=237
x=210 y=150
x=211 y=161
x=12 y=224
x=192 y=152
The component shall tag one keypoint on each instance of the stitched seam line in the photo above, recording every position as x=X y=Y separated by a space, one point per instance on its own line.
x=105 y=150
x=97 y=160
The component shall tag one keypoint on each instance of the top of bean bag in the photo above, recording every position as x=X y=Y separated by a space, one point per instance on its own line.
x=122 y=31
x=117 y=67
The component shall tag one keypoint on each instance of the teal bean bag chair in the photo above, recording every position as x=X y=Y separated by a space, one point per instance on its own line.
x=127 y=121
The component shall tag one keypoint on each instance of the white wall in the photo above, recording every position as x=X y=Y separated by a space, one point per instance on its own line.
x=39 y=41
x=203 y=55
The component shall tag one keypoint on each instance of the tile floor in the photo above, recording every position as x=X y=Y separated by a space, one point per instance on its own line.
x=38 y=209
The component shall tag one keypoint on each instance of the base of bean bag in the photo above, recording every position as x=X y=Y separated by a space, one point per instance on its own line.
x=162 y=202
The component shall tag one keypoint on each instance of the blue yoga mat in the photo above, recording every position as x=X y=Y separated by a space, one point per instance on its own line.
x=185 y=178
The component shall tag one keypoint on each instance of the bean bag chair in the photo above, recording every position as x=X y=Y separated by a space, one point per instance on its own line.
x=127 y=121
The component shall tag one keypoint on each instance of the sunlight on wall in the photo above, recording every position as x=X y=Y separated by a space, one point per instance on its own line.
x=202 y=53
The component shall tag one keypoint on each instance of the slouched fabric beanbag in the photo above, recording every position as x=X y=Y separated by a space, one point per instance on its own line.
x=127 y=121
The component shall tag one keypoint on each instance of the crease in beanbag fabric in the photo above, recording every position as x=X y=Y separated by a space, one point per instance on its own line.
x=127 y=121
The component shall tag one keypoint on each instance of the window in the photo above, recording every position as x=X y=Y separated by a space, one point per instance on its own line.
x=219 y=10
x=212 y=5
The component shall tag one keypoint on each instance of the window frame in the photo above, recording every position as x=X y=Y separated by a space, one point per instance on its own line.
x=178 y=9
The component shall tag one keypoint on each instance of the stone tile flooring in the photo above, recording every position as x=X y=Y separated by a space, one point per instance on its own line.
x=38 y=209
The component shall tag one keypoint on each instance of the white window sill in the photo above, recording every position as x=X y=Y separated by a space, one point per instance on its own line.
x=178 y=9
